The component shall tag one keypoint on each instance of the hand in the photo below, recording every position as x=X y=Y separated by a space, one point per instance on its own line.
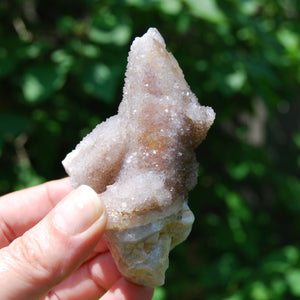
x=51 y=247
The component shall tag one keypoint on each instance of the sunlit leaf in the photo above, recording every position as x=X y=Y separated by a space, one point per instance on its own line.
x=63 y=60
x=293 y=280
x=237 y=296
x=99 y=80
x=86 y=49
x=159 y=294
x=40 y=81
x=171 y=7
x=249 y=7
x=119 y=35
x=206 y=9
x=259 y=291
x=289 y=39
x=281 y=260
x=236 y=79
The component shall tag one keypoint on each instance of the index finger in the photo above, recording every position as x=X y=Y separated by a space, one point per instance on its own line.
x=21 y=210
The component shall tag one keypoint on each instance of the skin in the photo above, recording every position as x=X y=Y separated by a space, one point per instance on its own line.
x=48 y=253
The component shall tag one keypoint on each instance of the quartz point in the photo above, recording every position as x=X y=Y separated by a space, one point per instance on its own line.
x=142 y=161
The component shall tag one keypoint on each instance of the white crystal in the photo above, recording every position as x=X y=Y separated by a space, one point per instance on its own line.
x=142 y=161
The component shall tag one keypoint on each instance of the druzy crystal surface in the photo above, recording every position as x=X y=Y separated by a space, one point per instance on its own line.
x=142 y=161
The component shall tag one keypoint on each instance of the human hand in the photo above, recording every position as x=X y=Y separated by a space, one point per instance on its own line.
x=51 y=247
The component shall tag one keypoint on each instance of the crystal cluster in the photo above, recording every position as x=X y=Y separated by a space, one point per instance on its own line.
x=142 y=161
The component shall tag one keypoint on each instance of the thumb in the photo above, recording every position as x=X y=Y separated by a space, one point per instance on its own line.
x=50 y=251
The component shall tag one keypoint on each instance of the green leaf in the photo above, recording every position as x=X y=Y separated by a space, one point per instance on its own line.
x=237 y=206
x=296 y=139
x=12 y=124
x=259 y=291
x=236 y=79
x=63 y=60
x=139 y=3
x=7 y=63
x=171 y=7
x=219 y=273
x=159 y=293
x=99 y=80
x=66 y=24
x=206 y=9
x=85 y=49
x=27 y=176
x=41 y=81
x=278 y=288
x=289 y=39
x=249 y=7
x=119 y=35
x=293 y=280
x=235 y=297
x=239 y=171
x=281 y=260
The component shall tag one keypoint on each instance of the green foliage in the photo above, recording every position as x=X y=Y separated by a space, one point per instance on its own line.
x=62 y=65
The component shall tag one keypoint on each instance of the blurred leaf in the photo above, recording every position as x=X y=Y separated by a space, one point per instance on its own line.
x=99 y=80
x=119 y=35
x=297 y=139
x=159 y=294
x=239 y=171
x=278 y=288
x=293 y=280
x=66 y=24
x=235 y=297
x=12 y=124
x=34 y=50
x=7 y=63
x=249 y=7
x=237 y=206
x=281 y=260
x=236 y=79
x=290 y=40
x=63 y=60
x=172 y=7
x=41 y=81
x=11 y=52
x=206 y=9
x=218 y=273
x=28 y=177
x=140 y=3
x=259 y=291
x=86 y=49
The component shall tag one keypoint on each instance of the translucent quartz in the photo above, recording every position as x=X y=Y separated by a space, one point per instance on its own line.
x=142 y=161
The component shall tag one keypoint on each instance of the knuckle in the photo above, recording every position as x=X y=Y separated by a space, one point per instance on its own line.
x=28 y=255
x=6 y=232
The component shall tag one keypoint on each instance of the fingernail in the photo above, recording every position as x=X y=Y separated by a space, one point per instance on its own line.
x=78 y=211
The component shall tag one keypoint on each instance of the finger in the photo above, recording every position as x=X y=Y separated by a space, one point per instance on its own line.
x=21 y=210
x=90 y=281
x=98 y=250
x=125 y=290
x=101 y=247
x=49 y=252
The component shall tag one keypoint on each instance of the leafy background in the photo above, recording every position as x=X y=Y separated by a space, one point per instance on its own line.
x=62 y=65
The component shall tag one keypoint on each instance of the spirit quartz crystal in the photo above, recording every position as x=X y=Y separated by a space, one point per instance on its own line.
x=142 y=161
